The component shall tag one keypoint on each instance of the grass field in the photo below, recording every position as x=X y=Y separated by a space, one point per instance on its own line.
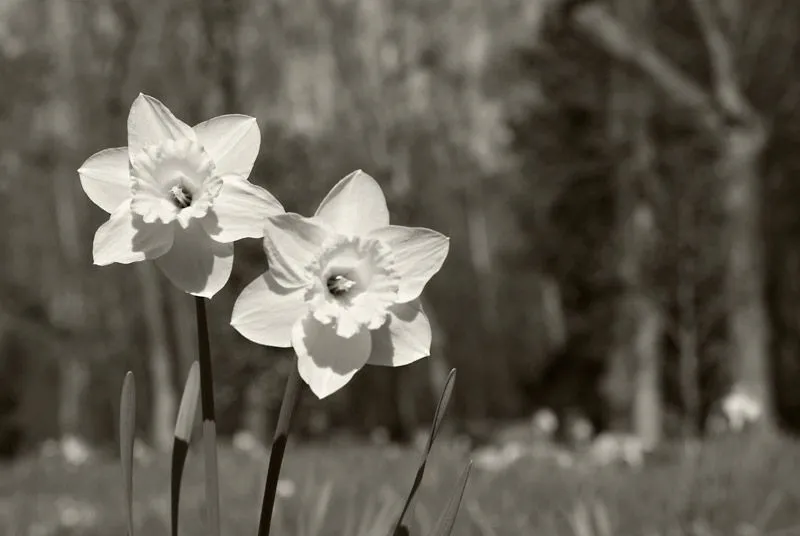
x=731 y=487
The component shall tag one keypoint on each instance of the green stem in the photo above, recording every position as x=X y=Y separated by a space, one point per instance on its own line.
x=290 y=398
x=209 y=418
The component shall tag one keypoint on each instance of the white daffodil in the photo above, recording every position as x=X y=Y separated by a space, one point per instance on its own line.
x=343 y=287
x=178 y=195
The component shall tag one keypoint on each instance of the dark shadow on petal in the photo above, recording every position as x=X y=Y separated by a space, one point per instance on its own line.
x=211 y=223
x=274 y=286
x=330 y=351
x=383 y=349
x=144 y=233
x=191 y=261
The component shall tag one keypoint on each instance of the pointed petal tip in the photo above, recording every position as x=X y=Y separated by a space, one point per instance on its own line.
x=321 y=394
x=355 y=205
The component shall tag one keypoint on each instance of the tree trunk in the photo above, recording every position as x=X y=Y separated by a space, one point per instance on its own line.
x=725 y=113
x=67 y=302
x=688 y=358
x=748 y=332
x=553 y=318
x=220 y=63
x=634 y=387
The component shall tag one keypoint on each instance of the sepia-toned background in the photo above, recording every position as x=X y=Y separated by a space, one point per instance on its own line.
x=619 y=179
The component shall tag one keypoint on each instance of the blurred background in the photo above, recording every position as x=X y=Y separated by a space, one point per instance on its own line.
x=618 y=178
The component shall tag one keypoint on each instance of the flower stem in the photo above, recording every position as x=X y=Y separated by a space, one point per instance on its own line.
x=290 y=398
x=209 y=418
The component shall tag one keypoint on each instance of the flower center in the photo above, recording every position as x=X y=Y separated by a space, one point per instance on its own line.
x=355 y=282
x=174 y=180
x=339 y=285
x=181 y=196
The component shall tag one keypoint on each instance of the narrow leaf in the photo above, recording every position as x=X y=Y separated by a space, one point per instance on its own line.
x=438 y=417
x=447 y=520
x=188 y=407
x=183 y=436
x=127 y=434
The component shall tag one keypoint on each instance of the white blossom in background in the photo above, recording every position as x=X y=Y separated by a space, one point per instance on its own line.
x=246 y=442
x=545 y=422
x=75 y=450
x=740 y=409
x=610 y=448
x=492 y=458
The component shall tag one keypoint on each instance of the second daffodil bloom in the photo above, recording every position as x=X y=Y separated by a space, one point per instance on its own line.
x=178 y=195
x=343 y=287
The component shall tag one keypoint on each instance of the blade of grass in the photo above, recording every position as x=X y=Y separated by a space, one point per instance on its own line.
x=388 y=510
x=291 y=396
x=127 y=434
x=182 y=439
x=602 y=519
x=447 y=520
x=481 y=520
x=438 y=416
x=316 y=521
x=209 y=418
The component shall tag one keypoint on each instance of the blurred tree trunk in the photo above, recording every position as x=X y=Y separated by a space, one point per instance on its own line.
x=725 y=113
x=553 y=316
x=219 y=64
x=687 y=321
x=67 y=300
x=68 y=308
x=633 y=389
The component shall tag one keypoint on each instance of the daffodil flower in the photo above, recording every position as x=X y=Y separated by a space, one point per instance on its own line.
x=178 y=195
x=343 y=287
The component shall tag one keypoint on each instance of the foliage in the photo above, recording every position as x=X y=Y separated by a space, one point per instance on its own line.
x=728 y=485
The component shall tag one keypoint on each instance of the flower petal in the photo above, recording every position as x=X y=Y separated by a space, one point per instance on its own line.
x=126 y=238
x=404 y=338
x=419 y=253
x=232 y=142
x=292 y=242
x=326 y=361
x=265 y=312
x=355 y=206
x=196 y=264
x=105 y=177
x=150 y=123
x=240 y=211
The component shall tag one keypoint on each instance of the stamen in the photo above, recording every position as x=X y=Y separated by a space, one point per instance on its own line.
x=181 y=196
x=339 y=285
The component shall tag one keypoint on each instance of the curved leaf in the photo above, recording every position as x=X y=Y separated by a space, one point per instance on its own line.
x=182 y=439
x=438 y=417
x=447 y=520
x=127 y=435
